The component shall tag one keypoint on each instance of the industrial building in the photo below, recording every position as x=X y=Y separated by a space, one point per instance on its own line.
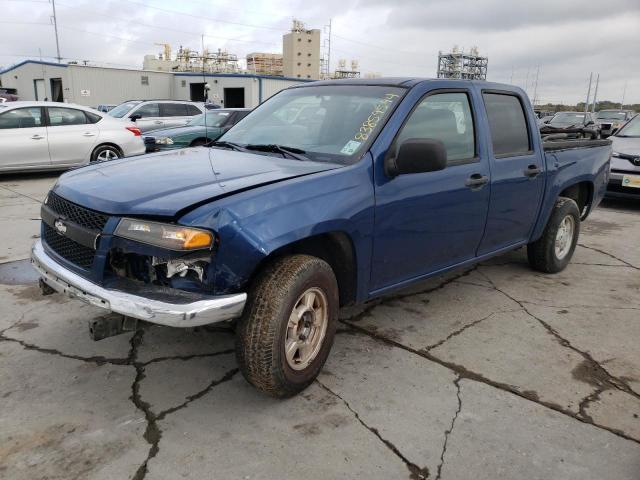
x=462 y=65
x=301 y=52
x=92 y=86
x=265 y=63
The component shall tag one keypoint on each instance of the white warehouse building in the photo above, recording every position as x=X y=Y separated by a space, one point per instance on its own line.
x=92 y=86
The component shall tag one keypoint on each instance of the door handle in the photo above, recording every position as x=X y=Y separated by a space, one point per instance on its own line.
x=88 y=134
x=37 y=137
x=476 y=181
x=532 y=171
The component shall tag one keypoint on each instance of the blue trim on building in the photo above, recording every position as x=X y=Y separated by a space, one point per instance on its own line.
x=241 y=75
x=37 y=62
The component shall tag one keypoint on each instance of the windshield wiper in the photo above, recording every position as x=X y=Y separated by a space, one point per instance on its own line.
x=291 y=152
x=231 y=145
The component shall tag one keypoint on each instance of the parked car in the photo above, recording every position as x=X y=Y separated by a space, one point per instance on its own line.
x=612 y=120
x=624 y=180
x=387 y=182
x=201 y=130
x=7 y=95
x=573 y=124
x=50 y=135
x=105 y=107
x=154 y=114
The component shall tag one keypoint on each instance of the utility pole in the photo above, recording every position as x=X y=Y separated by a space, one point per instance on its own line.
x=535 y=88
x=586 y=103
x=329 y=51
x=595 y=95
x=55 y=27
x=624 y=91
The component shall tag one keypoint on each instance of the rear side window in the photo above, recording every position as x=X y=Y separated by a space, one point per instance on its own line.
x=65 y=116
x=93 y=117
x=193 y=110
x=174 y=110
x=507 y=123
x=22 y=118
x=446 y=117
x=148 y=110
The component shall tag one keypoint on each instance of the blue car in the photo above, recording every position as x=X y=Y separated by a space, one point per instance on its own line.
x=328 y=194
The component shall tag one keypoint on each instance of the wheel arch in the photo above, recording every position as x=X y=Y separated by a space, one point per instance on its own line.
x=582 y=194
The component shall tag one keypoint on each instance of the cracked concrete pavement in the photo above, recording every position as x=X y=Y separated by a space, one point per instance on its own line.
x=495 y=371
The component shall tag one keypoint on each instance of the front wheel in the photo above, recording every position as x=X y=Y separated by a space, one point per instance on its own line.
x=552 y=252
x=287 y=328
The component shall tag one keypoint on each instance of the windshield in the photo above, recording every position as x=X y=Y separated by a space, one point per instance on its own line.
x=612 y=115
x=122 y=109
x=568 y=117
x=214 y=119
x=332 y=123
x=631 y=129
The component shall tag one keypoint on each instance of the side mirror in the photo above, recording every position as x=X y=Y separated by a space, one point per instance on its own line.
x=135 y=116
x=416 y=155
x=590 y=122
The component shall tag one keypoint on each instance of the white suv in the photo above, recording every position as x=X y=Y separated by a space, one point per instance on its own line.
x=154 y=114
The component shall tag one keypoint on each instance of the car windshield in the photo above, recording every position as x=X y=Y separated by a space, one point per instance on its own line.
x=331 y=123
x=122 y=109
x=631 y=129
x=568 y=117
x=612 y=115
x=214 y=119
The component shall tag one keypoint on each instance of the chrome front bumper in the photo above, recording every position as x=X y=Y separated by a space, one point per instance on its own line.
x=202 y=312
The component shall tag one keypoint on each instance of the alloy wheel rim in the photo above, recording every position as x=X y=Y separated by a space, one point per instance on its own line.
x=306 y=328
x=564 y=237
x=107 y=154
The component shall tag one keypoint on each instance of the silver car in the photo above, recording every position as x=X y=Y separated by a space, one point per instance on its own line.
x=56 y=136
x=154 y=114
x=625 y=161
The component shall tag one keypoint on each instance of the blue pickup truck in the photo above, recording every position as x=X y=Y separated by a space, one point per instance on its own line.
x=328 y=194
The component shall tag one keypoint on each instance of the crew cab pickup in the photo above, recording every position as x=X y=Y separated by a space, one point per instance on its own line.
x=328 y=194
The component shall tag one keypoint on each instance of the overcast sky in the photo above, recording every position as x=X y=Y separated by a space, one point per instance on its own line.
x=565 y=39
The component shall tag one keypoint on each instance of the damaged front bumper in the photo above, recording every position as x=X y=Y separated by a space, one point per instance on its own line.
x=159 y=305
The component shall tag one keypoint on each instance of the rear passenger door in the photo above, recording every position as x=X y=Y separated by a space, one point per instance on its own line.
x=174 y=114
x=23 y=138
x=425 y=222
x=517 y=172
x=148 y=117
x=71 y=136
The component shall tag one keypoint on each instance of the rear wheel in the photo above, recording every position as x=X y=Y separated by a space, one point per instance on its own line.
x=552 y=252
x=287 y=328
x=105 y=153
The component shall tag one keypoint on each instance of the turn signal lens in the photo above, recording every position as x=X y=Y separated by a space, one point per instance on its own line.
x=164 y=235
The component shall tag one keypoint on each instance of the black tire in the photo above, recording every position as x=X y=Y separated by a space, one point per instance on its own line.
x=542 y=253
x=105 y=151
x=262 y=330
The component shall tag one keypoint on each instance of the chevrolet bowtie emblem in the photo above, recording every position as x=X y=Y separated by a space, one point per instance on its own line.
x=61 y=228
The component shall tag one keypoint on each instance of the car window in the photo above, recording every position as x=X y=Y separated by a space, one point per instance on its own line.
x=148 y=110
x=93 y=117
x=193 y=110
x=21 y=118
x=445 y=117
x=240 y=115
x=508 y=125
x=122 y=109
x=174 y=110
x=65 y=116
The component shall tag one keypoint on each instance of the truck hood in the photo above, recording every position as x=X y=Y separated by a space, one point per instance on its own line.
x=164 y=184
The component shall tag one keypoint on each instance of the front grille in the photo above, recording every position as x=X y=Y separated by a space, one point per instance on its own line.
x=68 y=249
x=77 y=214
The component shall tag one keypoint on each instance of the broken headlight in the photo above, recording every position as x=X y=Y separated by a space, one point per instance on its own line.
x=164 y=235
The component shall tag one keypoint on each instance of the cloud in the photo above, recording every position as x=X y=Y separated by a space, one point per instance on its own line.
x=562 y=40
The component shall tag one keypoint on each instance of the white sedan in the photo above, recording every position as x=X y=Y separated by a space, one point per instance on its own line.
x=56 y=136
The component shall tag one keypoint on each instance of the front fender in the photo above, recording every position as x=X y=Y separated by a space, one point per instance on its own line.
x=251 y=225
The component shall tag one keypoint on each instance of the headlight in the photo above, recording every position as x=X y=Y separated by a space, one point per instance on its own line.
x=172 y=237
x=164 y=141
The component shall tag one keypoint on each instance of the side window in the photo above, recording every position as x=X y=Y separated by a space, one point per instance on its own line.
x=193 y=110
x=240 y=116
x=22 y=118
x=174 y=110
x=92 y=117
x=446 y=117
x=508 y=125
x=148 y=110
x=65 y=116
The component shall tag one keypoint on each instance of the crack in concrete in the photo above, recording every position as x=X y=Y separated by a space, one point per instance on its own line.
x=416 y=472
x=153 y=432
x=21 y=194
x=611 y=255
x=447 y=433
x=187 y=357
